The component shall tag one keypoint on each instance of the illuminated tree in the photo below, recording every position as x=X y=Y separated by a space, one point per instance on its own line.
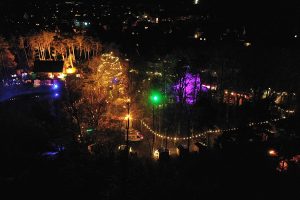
x=7 y=58
x=79 y=42
x=22 y=45
x=187 y=88
x=52 y=46
x=104 y=93
x=41 y=45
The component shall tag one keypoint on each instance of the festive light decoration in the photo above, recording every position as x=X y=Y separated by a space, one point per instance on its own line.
x=272 y=153
x=71 y=70
x=55 y=86
x=204 y=134
x=188 y=88
x=155 y=97
x=61 y=76
x=50 y=75
x=285 y=110
x=128 y=116
x=105 y=94
x=156 y=154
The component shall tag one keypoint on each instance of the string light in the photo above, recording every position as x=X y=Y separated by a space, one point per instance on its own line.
x=204 y=134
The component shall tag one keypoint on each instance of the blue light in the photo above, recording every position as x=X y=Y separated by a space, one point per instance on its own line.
x=56 y=94
x=55 y=86
x=50 y=153
x=61 y=148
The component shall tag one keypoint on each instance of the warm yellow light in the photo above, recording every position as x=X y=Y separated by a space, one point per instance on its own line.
x=61 y=75
x=247 y=44
x=272 y=153
x=71 y=70
x=128 y=117
x=156 y=154
x=50 y=75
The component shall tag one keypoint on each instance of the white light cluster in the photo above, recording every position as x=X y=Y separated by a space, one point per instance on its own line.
x=199 y=135
x=286 y=111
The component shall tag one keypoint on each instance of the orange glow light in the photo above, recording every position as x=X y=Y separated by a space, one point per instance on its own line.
x=71 y=70
x=272 y=153
x=50 y=75
x=127 y=116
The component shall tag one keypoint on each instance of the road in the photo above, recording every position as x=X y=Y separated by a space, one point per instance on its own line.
x=144 y=147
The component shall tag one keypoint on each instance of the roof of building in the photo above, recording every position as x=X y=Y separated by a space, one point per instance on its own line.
x=48 y=66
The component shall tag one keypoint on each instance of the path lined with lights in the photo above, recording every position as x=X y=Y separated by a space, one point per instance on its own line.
x=204 y=133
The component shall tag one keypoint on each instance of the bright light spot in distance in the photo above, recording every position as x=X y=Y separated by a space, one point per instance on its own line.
x=272 y=153
x=156 y=154
x=55 y=86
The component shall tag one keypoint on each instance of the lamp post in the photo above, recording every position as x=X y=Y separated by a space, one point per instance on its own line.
x=153 y=126
x=127 y=127
x=155 y=99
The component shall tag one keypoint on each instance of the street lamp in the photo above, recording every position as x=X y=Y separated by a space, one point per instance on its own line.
x=127 y=127
x=155 y=99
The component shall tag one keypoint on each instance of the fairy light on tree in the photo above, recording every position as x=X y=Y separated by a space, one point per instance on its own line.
x=104 y=92
x=187 y=88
